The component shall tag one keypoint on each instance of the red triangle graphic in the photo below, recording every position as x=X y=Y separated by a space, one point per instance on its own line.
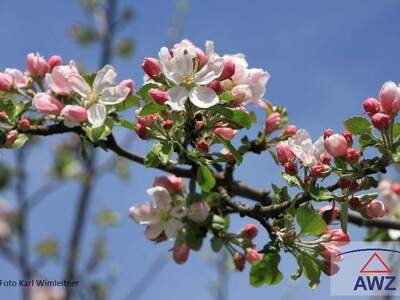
x=375 y=255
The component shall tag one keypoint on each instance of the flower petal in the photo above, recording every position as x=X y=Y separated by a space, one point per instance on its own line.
x=210 y=71
x=97 y=115
x=113 y=95
x=177 y=96
x=203 y=97
x=161 y=197
x=142 y=214
x=154 y=230
x=104 y=78
x=172 y=228
x=79 y=85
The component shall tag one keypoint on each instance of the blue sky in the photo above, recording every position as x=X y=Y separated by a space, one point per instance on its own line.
x=324 y=58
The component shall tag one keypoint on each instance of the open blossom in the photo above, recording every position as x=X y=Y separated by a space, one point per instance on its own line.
x=20 y=80
x=159 y=217
x=191 y=83
x=47 y=104
x=57 y=80
x=310 y=154
x=198 y=212
x=103 y=92
x=37 y=65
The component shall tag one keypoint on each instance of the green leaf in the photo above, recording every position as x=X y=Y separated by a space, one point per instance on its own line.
x=194 y=237
x=216 y=244
x=358 y=125
x=126 y=124
x=396 y=131
x=152 y=108
x=143 y=92
x=344 y=216
x=311 y=269
x=310 y=221
x=321 y=193
x=367 y=139
x=205 y=178
x=131 y=101
x=226 y=96
x=20 y=141
x=266 y=270
x=219 y=223
x=236 y=154
x=239 y=117
x=291 y=180
x=96 y=134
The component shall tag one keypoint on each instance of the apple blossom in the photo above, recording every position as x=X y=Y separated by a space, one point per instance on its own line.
x=389 y=98
x=37 y=65
x=329 y=268
x=225 y=132
x=328 y=133
x=229 y=69
x=145 y=121
x=272 y=122
x=159 y=96
x=338 y=237
x=354 y=203
x=161 y=216
x=47 y=104
x=352 y=155
x=128 y=83
x=180 y=253
x=11 y=137
x=6 y=82
x=151 y=66
x=168 y=123
x=290 y=168
x=252 y=255
x=57 y=80
x=331 y=252
x=216 y=86
x=189 y=82
x=336 y=145
x=284 y=153
x=371 y=106
x=290 y=130
x=380 y=121
x=20 y=80
x=198 y=212
x=249 y=230
x=24 y=123
x=172 y=183
x=74 y=113
x=54 y=61
x=375 y=209
x=102 y=93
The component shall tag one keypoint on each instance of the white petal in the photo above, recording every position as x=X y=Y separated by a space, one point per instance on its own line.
x=162 y=198
x=154 y=230
x=97 y=115
x=79 y=85
x=177 y=96
x=142 y=214
x=172 y=228
x=394 y=234
x=178 y=212
x=113 y=95
x=104 y=78
x=164 y=58
x=210 y=71
x=203 y=97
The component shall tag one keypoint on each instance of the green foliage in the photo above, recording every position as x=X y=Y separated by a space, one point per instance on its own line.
x=151 y=108
x=205 y=178
x=266 y=270
x=236 y=116
x=310 y=220
x=358 y=125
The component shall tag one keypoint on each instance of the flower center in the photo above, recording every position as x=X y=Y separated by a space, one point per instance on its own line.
x=164 y=215
x=188 y=81
x=91 y=100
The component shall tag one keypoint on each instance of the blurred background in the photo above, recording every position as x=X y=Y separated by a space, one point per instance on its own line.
x=324 y=57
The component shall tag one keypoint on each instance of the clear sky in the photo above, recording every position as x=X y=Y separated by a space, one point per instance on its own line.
x=324 y=58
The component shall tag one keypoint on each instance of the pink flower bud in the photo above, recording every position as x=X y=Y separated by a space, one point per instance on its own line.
x=229 y=69
x=328 y=133
x=216 y=86
x=172 y=183
x=11 y=137
x=168 y=123
x=348 y=136
x=339 y=237
x=145 y=121
x=198 y=212
x=375 y=209
x=290 y=168
x=239 y=260
x=329 y=268
x=290 y=130
x=159 y=96
x=74 y=113
x=328 y=209
x=250 y=231
x=47 y=104
x=141 y=131
x=180 y=253
x=24 y=123
x=352 y=155
x=20 y=80
x=380 y=121
x=202 y=146
x=326 y=159
x=151 y=66
x=128 y=83
x=36 y=65
x=389 y=98
x=336 y=145
x=225 y=132
x=284 y=153
x=54 y=61
x=331 y=252
x=253 y=256
x=272 y=122
x=371 y=106
x=317 y=171
x=6 y=82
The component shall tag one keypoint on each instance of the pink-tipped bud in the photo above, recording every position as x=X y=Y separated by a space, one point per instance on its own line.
x=172 y=183
x=216 y=86
x=24 y=123
x=389 y=98
x=54 y=61
x=128 y=83
x=36 y=64
x=145 y=121
x=326 y=159
x=375 y=209
x=229 y=69
x=202 y=146
x=339 y=237
x=159 y=96
x=151 y=66
x=348 y=136
x=141 y=131
x=180 y=253
x=318 y=171
x=74 y=113
x=380 y=121
x=329 y=268
x=336 y=145
x=198 y=124
x=11 y=137
x=168 y=124
x=291 y=168
x=371 y=106
x=6 y=82
x=328 y=133
x=395 y=187
x=331 y=252
x=249 y=230
x=252 y=255
x=325 y=210
x=239 y=260
x=284 y=153
x=198 y=212
x=201 y=56
x=225 y=132
x=352 y=155
x=290 y=130
x=272 y=122
x=47 y=104
x=354 y=203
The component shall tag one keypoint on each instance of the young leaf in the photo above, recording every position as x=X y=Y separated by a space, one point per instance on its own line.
x=205 y=178
x=266 y=270
x=236 y=154
x=321 y=193
x=310 y=221
x=129 y=102
x=151 y=108
x=311 y=270
x=144 y=91
x=344 y=212
x=239 y=117
x=358 y=125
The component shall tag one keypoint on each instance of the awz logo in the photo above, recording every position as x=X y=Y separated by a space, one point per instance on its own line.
x=375 y=282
